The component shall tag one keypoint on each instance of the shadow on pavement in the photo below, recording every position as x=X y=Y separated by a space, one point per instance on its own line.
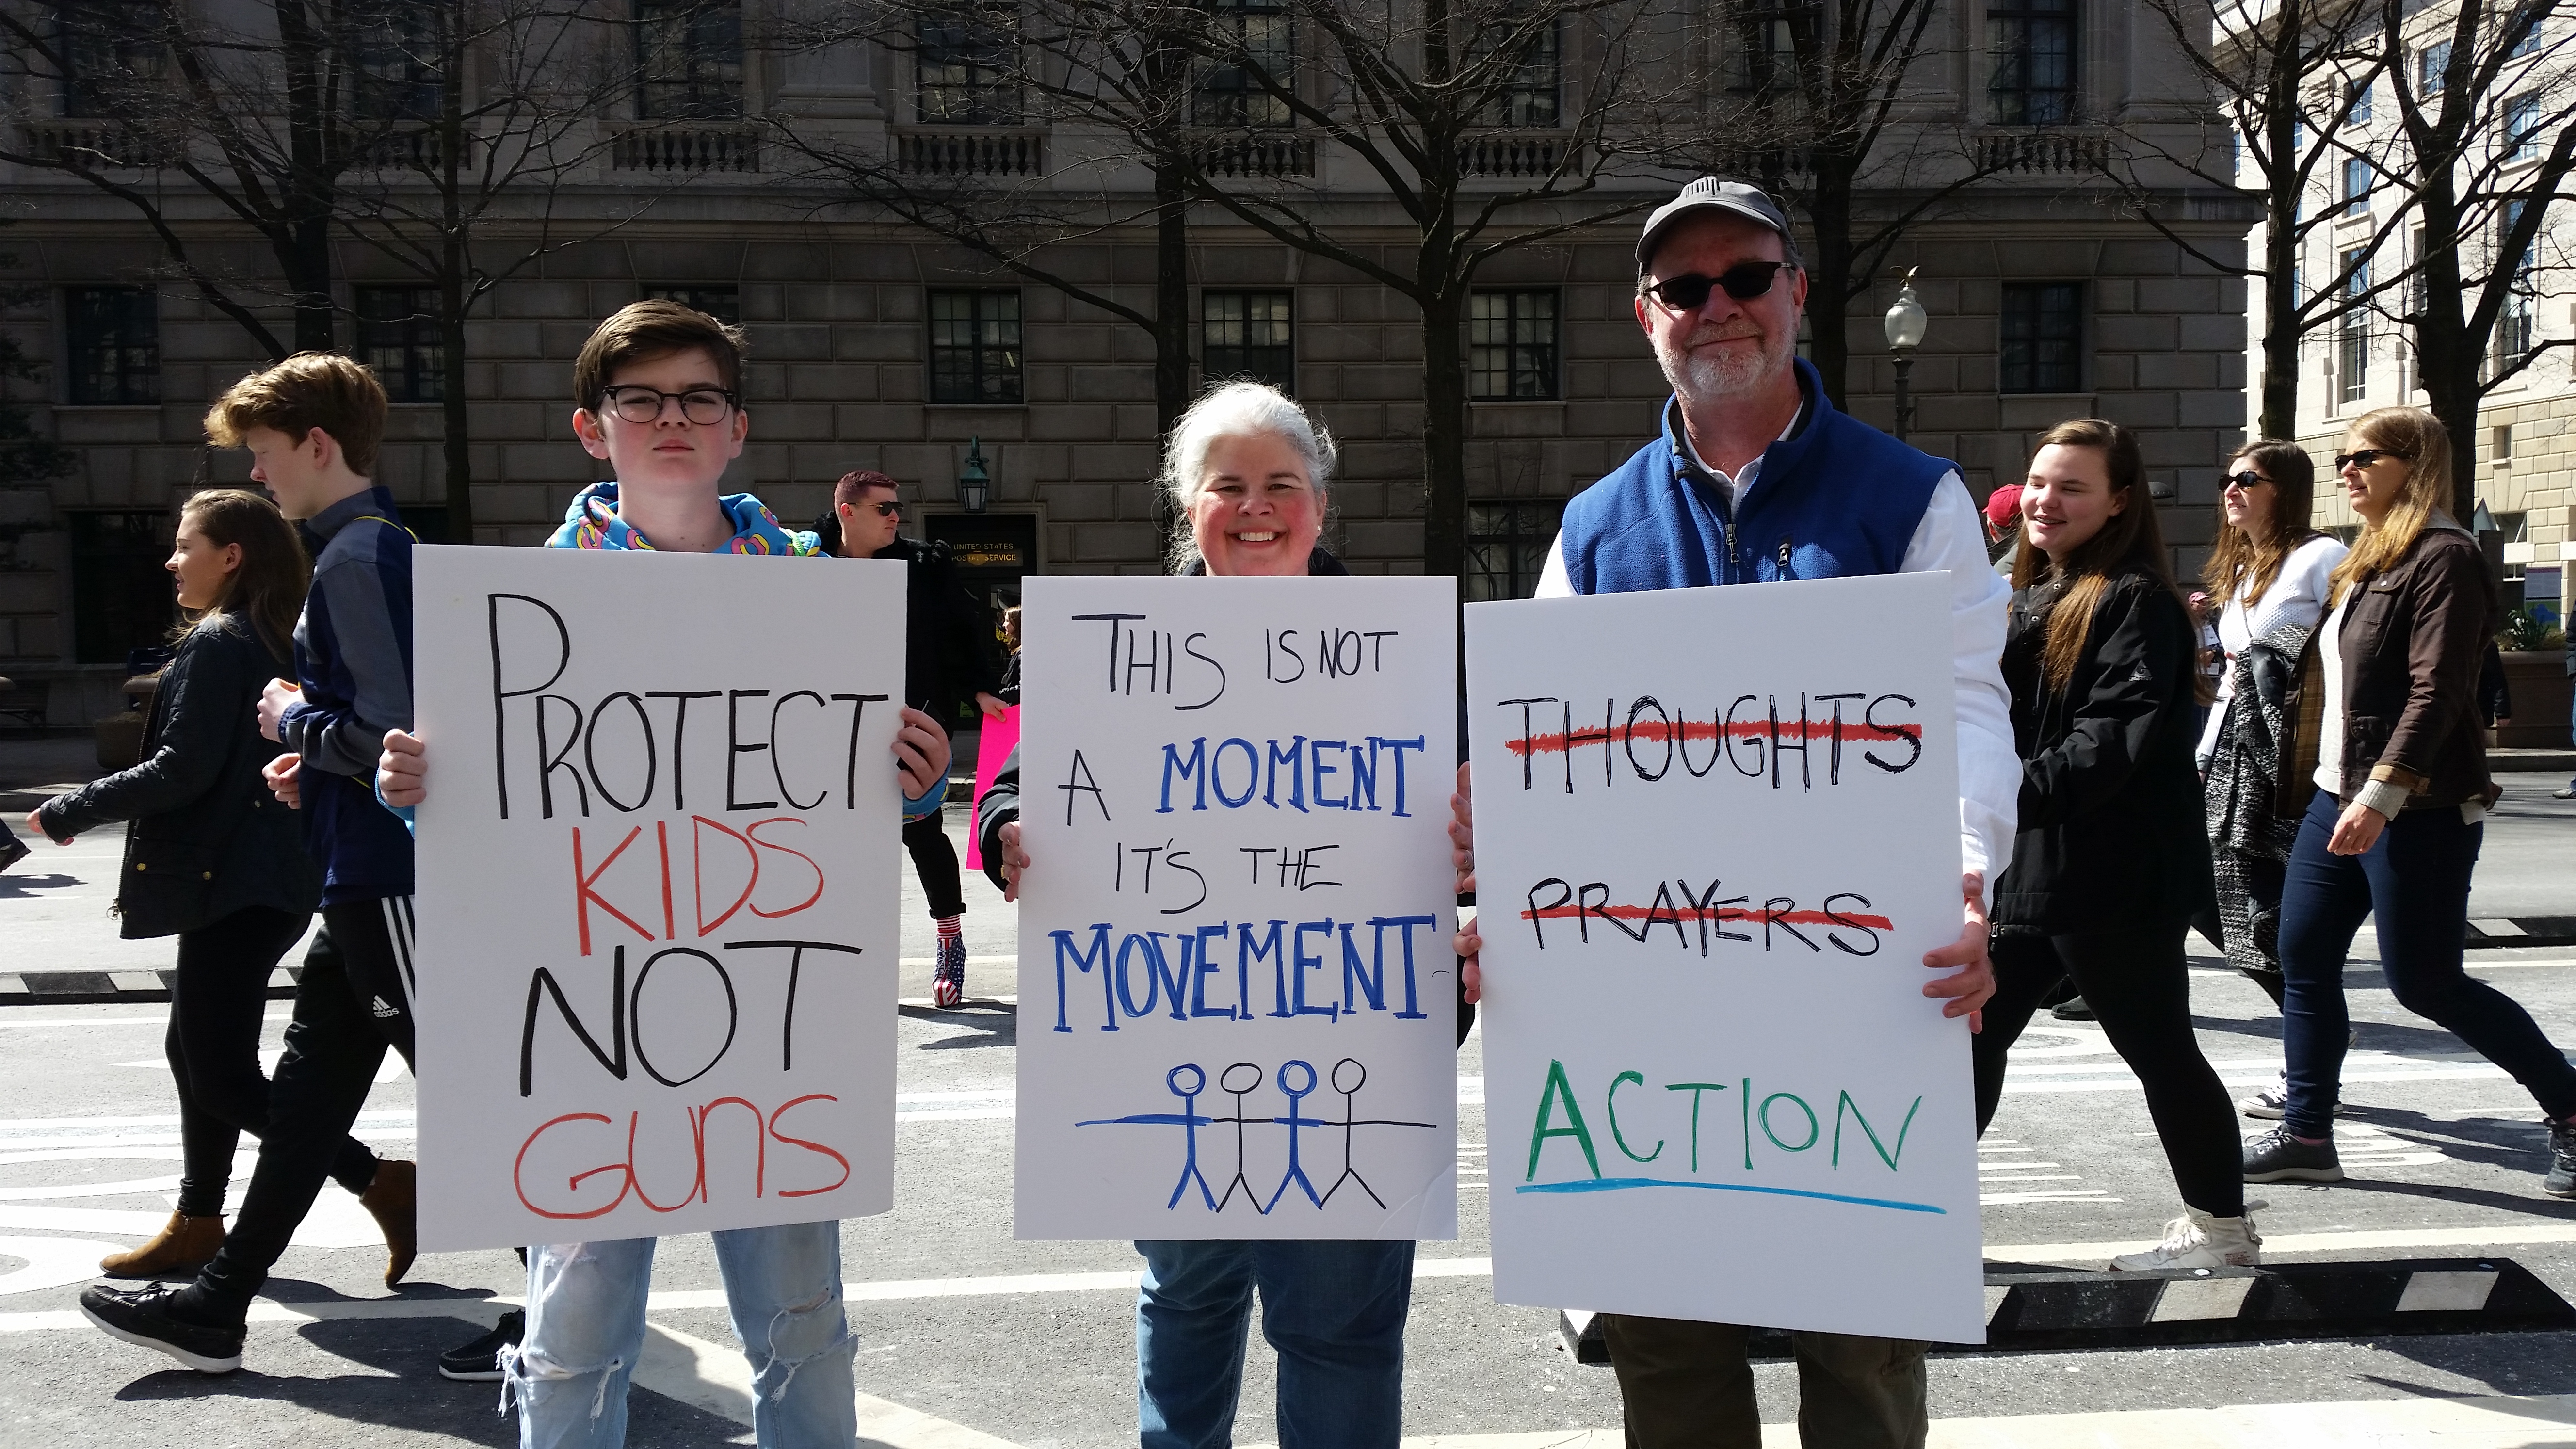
x=995 y=1025
x=17 y=885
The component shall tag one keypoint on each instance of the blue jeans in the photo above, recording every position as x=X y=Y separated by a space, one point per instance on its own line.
x=1334 y=1309
x=2415 y=881
x=586 y=1330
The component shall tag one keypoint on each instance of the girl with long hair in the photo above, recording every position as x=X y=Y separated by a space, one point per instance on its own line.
x=2111 y=862
x=211 y=856
x=2399 y=812
x=2269 y=570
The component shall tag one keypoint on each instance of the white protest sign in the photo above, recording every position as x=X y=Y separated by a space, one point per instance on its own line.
x=1716 y=830
x=1238 y=1002
x=657 y=891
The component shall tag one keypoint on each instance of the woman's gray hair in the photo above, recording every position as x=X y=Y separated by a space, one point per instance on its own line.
x=1236 y=410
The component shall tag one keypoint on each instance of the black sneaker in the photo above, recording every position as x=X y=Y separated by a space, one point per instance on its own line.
x=2072 y=1008
x=2276 y=1156
x=479 y=1362
x=12 y=851
x=2561 y=1181
x=141 y=1316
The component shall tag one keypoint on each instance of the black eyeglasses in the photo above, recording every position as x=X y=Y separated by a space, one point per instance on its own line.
x=636 y=403
x=2364 y=457
x=1689 y=292
x=2246 y=482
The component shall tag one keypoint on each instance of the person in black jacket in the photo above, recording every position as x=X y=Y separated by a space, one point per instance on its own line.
x=948 y=657
x=2111 y=862
x=211 y=857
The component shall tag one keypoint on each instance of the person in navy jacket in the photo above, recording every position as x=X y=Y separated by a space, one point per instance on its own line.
x=1757 y=477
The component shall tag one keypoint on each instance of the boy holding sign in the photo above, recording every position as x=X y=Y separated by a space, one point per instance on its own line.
x=657 y=389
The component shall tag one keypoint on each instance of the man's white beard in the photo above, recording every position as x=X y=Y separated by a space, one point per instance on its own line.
x=1710 y=375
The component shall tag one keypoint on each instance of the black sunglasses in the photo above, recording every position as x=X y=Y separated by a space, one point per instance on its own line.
x=886 y=508
x=2363 y=458
x=1689 y=292
x=2246 y=482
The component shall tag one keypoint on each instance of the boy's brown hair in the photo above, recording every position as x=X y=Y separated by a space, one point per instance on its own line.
x=642 y=331
x=307 y=391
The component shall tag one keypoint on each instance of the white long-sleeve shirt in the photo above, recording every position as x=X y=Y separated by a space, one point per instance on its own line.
x=1950 y=538
x=2297 y=596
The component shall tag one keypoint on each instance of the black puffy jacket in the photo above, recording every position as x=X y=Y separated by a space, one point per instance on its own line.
x=208 y=838
x=2113 y=834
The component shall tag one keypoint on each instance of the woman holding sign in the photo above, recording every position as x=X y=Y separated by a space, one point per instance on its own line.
x=2111 y=862
x=1247 y=471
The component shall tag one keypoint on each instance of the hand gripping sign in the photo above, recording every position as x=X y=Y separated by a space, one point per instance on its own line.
x=1237 y=995
x=657 y=892
x=1716 y=830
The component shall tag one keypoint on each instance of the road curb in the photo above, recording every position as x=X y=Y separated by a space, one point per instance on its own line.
x=113 y=988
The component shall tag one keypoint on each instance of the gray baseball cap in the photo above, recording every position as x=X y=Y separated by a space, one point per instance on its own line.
x=1711 y=193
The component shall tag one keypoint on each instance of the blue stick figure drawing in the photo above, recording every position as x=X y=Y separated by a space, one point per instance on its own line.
x=1295 y=1120
x=1189 y=1121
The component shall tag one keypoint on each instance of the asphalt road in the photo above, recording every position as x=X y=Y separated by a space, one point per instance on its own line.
x=970 y=1340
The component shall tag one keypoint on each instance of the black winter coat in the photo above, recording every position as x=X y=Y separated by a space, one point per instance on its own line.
x=208 y=838
x=2113 y=834
x=949 y=649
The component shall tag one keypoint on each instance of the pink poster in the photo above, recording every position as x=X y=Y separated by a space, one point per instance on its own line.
x=1001 y=736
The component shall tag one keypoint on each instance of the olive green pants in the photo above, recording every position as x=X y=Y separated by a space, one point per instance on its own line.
x=1686 y=1385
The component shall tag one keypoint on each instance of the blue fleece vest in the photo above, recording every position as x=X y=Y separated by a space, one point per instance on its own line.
x=1838 y=499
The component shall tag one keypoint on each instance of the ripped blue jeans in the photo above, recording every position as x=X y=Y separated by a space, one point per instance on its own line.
x=586 y=1331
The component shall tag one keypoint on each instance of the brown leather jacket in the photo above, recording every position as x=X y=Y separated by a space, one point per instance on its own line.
x=2412 y=637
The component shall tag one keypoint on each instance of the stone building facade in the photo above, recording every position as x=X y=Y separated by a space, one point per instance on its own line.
x=2047 y=302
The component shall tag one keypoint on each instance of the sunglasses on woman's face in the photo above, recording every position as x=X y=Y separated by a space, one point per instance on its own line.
x=2246 y=482
x=1689 y=292
x=2365 y=457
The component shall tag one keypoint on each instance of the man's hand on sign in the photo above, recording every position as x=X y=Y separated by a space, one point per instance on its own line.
x=402 y=771
x=920 y=753
x=1462 y=854
x=284 y=777
x=1014 y=861
x=1974 y=981
x=273 y=701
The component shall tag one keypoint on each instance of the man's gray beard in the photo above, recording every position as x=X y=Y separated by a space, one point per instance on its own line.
x=1707 y=377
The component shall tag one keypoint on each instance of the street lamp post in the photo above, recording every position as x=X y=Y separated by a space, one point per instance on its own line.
x=974 y=485
x=1906 y=322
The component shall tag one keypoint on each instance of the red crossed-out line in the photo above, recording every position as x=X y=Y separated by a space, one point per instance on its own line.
x=1660 y=732
x=1710 y=913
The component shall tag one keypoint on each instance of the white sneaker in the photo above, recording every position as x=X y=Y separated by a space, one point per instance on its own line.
x=2269 y=1103
x=2197 y=1240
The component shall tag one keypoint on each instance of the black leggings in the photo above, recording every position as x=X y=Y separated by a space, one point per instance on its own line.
x=936 y=862
x=2140 y=991
x=216 y=1006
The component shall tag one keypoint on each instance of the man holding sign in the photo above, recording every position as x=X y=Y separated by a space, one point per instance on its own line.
x=1757 y=478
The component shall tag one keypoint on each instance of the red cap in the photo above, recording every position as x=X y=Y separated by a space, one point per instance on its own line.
x=2003 y=505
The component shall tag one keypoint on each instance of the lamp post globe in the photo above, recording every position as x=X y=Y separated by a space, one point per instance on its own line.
x=974 y=485
x=1906 y=324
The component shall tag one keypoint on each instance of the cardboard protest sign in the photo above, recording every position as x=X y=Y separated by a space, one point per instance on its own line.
x=657 y=892
x=1716 y=830
x=1237 y=995
x=1001 y=735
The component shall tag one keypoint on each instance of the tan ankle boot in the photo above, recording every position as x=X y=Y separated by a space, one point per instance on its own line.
x=183 y=1245
x=390 y=1198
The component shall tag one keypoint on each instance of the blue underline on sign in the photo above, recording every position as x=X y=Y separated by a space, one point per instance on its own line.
x=1618 y=1184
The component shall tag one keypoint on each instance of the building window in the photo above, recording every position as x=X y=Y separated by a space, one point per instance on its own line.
x=121 y=598
x=1511 y=345
x=2352 y=337
x=2430 y=64
x=688 y=59
x=110 y=50
x=2033 y=45
x=115 y=345
x=2356 y=186
x=394 y=64
x=1236 y=93
x=1767 y=37
x=2356 y=103
x=2514 y=327
x=1248 y=334
x=2530 y=42
x=2043 y=337
x=962 y=70
x=1507 y=544
x=722 y=303
x=1527 y=93
x=398 y=341
x=974 y=347
x=2500 y=443
x=2522 y=128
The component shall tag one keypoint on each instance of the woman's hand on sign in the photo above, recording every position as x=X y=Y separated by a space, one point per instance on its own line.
x=1014 y=860
x=1462 y=854
x=283 y=775
x=1968 y=987
x=920 y=753
x=2356 y=830
x=402 y=771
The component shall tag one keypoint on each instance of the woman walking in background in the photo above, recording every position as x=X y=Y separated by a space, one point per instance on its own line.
x=2270 y=569
x=2111 y=862
x=212 y=857
x=2401 y=798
